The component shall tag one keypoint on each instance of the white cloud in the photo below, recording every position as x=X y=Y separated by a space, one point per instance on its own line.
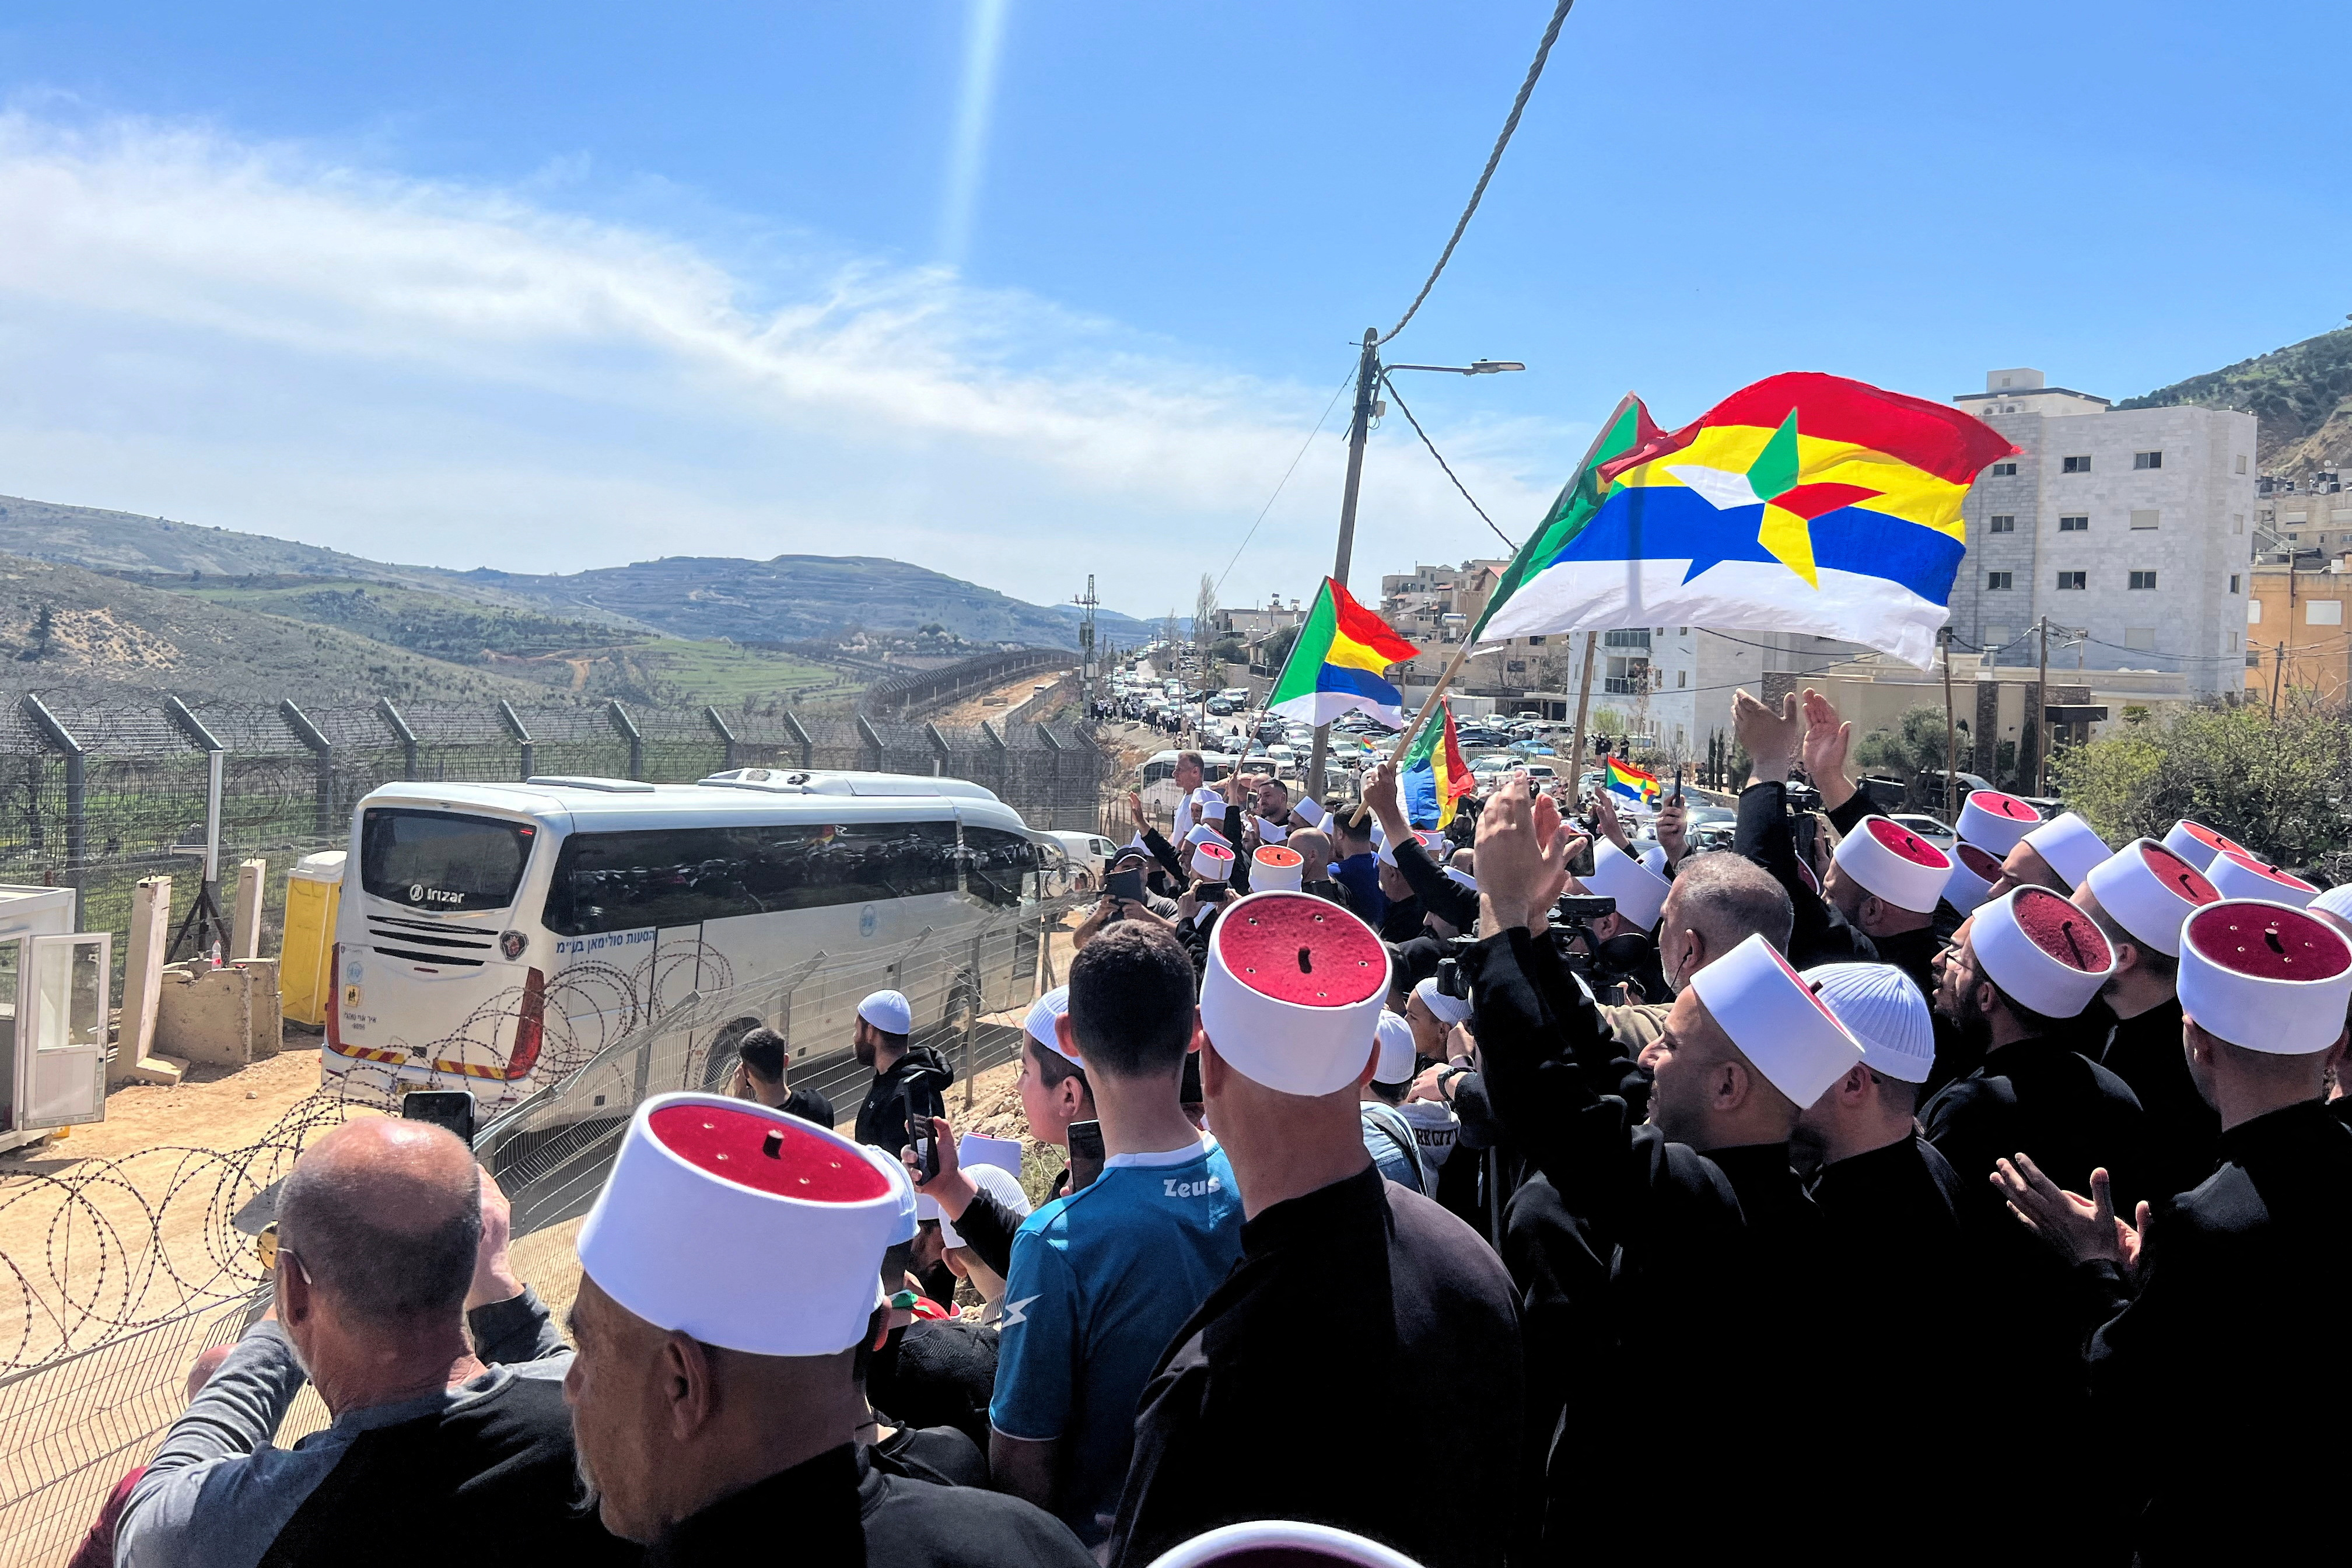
x=246 y=335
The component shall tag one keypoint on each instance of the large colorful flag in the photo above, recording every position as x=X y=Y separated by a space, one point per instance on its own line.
x=1628 y=428
x=1335 y=664
x=1804 y=503
x=1436 y=775
x=1627 y=780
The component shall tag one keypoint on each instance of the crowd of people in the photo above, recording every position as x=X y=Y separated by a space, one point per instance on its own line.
x=1520 y=1194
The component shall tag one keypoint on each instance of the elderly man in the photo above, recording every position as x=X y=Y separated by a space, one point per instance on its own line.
x=1289 y=1008
x=731 y=1274
x=389 y=1245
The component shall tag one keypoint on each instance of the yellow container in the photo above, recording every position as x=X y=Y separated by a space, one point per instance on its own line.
x=313 y=893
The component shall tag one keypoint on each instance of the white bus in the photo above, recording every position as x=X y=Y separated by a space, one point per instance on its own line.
x=494 y=937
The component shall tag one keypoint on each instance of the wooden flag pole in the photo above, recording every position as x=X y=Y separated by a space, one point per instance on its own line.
x=1583 y=697
x=1436 y=693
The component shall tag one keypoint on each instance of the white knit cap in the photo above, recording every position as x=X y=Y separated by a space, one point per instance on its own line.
x=2242 y=877
x=1213 y=862
x=1895 y=864
x=746 y=1227
x=1446 y=1010
x=1974 y=871
x=1043 y=1014
x=2041 y=950
x=1002 y=1186
x=1204 y=833
x=2069 y=844
x=1275 y=869
x=1640 y=892
x=1394 y=1034
x=1292 y=992
x=1773 y=1016
x=1265 y=1541
x=1995 y=821
x=888 y=1011
x=2266 y=976
x=2198 y=844
x=2148 y=890
x=1880 y=1006
x=2337 y=901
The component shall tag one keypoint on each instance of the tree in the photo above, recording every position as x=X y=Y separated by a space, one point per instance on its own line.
x=1913 y=747
x=1277 y=646
x=2283 y=786
x=1205 y=612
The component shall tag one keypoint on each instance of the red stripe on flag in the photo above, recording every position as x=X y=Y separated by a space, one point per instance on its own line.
x=1948 y=442
x=1359 y=624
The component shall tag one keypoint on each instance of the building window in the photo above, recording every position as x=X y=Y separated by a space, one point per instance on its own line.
x=2144 y=519
x=2074 y=580
x=2143 y=580
x=2147 y=459
x=1682 y=631
x=2322 y=613
x=2075 y=465
x=1633 y=637
x=1537 y=642
x=2242 y=462
x=2003 y=471
x=2139 y=636
x=2001 y=523
x=2233 y=581
x=2074 y=525
x=1681 y=677
x=1997 y=581
x=1516 y=665
x=2254 y=612
x=2253 y=661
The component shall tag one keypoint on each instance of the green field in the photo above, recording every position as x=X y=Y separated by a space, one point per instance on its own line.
x=722 y=674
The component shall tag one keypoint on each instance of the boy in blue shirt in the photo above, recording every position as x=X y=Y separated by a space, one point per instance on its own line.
x=1102 y=1278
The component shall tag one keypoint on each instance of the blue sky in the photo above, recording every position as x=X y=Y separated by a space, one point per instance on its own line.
x=556 y=287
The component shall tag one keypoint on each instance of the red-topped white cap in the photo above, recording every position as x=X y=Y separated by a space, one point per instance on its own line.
x=1640 y=892
x=2041 y=949
x=1432 y=844
x=1204 y=833
x=1773 y=1016
x=2069 y=846
x=2243 y=877
x=1274 y=869
x=1974 y=871
x=1895 y=864
x=1293 y=992
x=1280 y=1543
x=2148 y=890
x=2265 y=976
x=746 y=1227
x=1996 y=821
x=1212 y=862
x=2198 y=844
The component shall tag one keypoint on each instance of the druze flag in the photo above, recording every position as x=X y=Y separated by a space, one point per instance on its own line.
x=1804 y=503
x=1436 y=776
x=1337 y=663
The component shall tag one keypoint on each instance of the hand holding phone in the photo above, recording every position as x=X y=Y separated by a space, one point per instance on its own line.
x=926 y=1146
x=1125 y=886
x=1087 y=1154
x=450 y=1107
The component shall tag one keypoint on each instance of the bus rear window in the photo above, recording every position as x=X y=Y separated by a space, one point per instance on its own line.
x=442 y=861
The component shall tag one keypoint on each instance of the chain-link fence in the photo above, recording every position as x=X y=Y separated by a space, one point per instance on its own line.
x=118 y=1273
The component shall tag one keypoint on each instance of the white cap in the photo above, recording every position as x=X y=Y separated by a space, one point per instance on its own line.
x=2070 y=846
x=746 y=1227
x=1430 y=843
x=2148 y=890
x=1462 y=879
x=2265 y=976
x=1274 y=869
x=1309 y=810
x=1640 y=892
x=1293 y=989
x=2198 y=844
x=2337 y=901
x=1380 y=836
x=1213 y=862
x=1880 y=1006
x=1773 y=1016
x=1210 y=795
x=2041 y=950
x=1655 y=858
x=1974 y=871
x=1393 y=1035
x=1995 y=821
x=2241 y=877
x=998 y=1182
x=888 y=1011
x=1269 y=832
x=1895 y=864
x=1264 y=1541
x=1446 y=1010
x=1043 y=1014
x=1204 y=833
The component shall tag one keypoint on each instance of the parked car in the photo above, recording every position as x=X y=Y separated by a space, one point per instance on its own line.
x=1927 y=827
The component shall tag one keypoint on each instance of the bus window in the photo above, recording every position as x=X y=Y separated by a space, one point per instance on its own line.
x=442 y=861
x=684 y=876
x=997 y=864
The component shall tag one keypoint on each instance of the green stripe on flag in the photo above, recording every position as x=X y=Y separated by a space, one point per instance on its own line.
x=1577 y=503
x=1308 y=651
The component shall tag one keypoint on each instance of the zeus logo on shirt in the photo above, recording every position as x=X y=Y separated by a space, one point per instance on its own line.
x=1176 y=1189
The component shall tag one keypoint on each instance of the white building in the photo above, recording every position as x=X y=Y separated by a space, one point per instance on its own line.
x=2128 y=528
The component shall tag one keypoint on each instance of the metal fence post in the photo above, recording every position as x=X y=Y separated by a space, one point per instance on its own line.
x=1000 y=758
x=324 y=750
x=206 y=912
x=401 y=733
x=725 y=735
x=628 y=729
x=1053 y=749
x=808 y=746
x=939 y=750
x=513 y=721
x=873 y=742
x=77 y=793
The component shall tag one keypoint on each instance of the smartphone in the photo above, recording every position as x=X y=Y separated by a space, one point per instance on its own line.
x=926 y=1146
x=1086 y=1154
x=1678 y=781
x=1125 y=886
x=450 y=1107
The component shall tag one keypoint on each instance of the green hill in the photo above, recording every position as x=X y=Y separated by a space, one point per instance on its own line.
x=2300 y=394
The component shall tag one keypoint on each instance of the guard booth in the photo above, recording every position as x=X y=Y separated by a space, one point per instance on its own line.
x=54 y=985
x=313 y=893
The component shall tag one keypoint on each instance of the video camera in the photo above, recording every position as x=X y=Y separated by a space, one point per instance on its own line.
x=1602 y=963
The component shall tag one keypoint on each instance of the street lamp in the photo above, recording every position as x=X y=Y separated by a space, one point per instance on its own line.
x=1475 y=367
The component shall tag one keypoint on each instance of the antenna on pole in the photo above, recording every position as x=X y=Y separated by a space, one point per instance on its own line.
x=1089 y=667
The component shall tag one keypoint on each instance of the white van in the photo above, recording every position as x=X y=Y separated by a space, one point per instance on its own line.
x=494 y=937
x=1089 y=855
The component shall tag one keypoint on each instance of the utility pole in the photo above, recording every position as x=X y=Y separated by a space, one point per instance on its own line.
x=2278 y=669
x=1951 y=729
x=1368 y=381
x=2041 y=719
x=1089 y=668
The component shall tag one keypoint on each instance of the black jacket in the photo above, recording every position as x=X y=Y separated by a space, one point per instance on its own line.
x=1820 y=935
x=916 y=1084
x=2184 y=1133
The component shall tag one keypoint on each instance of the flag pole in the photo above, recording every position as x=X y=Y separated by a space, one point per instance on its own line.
x=1583 y=697
x=1444 y=679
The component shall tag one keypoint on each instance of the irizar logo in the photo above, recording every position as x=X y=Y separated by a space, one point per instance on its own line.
x=418 y=893
x=1176 y=1189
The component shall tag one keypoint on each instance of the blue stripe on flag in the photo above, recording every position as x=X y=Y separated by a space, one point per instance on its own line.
x=1672 y=523
x=1358 y=683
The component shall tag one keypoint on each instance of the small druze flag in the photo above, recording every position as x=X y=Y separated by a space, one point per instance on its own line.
x=1804 y=503
x=1337 y=663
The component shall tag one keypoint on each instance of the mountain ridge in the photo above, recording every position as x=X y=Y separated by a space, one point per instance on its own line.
x=2300 y=396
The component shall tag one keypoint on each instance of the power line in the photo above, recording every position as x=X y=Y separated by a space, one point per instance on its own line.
x=1447 y=467
x=1284 y=480
x=1535 y=69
